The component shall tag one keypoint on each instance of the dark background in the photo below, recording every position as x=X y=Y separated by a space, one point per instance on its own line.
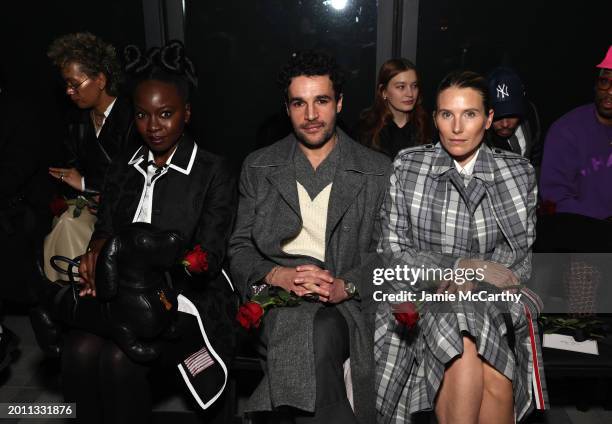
x=27 y=28
x=553 y=45
x=238 y=47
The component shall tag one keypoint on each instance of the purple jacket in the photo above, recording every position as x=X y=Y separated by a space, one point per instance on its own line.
x=577 y=165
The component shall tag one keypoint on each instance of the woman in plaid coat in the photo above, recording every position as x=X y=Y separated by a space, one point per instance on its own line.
x=460 y=205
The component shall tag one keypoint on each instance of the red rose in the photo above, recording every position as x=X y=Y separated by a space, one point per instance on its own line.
x=58 y=206
x=196 y=260
x=249 y=315
x=407 y=314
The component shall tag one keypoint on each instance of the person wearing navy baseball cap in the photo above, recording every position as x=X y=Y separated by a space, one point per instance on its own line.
x=516 y=126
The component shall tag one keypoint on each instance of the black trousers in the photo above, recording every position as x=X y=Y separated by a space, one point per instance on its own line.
x=331 y=350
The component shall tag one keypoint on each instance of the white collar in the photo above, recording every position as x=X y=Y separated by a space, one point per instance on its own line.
x=109 y=108
x=150 y=157
x=139 y=156
x=468 y=169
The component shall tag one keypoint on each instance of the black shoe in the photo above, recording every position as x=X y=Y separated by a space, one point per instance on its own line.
x=46 y=331
x=8 y=346
x=44 y=319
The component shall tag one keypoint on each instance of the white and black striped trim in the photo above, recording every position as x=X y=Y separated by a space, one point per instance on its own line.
x=186 y=306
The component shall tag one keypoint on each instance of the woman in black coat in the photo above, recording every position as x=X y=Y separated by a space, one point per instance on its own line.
x=97 y=133
x=397 y=119
x=173 y=184
x=100 y=130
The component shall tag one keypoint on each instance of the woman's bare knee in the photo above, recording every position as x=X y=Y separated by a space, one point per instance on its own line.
x=469 y=357
x=461 y=393
x=496 y=384
x=469 y=346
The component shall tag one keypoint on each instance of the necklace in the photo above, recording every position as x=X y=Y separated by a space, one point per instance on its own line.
x=98 y=120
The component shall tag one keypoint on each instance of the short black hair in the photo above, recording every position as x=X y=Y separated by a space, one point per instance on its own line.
x=311 y=63
x=167 y=64
x=93 y=55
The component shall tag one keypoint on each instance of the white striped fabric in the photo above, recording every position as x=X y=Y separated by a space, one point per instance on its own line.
x=199 y=361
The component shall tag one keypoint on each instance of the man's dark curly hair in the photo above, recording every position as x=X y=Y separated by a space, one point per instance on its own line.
x=311 y=63
x=92 y=53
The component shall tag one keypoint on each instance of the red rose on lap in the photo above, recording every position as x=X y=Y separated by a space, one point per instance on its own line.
x=407 y=314
x=249 y=315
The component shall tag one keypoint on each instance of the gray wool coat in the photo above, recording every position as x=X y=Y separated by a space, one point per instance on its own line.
x=268 y=214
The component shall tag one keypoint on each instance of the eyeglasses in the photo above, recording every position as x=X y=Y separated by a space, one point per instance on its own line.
x=603 y=83
x=71 y=87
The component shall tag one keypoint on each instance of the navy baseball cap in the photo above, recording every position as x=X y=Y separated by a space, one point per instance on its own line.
x=506 y=92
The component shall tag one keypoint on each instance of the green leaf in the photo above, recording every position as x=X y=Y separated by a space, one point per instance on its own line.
x=284 y=295
x=259 y=298
x=81 y=202
x=293 y=301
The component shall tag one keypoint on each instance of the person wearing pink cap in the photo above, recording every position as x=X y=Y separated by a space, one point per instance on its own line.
x=577 y=165
x=575 y=187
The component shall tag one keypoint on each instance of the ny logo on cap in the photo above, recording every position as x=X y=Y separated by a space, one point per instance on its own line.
x=502 y=91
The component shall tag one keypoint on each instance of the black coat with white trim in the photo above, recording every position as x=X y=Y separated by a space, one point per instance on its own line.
x=196 y=196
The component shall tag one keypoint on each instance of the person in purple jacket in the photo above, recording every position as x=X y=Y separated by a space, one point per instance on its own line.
x=577 y=166
x=576 y=193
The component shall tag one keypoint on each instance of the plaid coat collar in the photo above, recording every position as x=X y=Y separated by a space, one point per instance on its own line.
x=484 y=168
x=508 y=184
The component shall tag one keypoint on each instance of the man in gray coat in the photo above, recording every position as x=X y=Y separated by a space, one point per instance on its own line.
x=306 y=223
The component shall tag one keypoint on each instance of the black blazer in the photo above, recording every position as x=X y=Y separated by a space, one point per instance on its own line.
x=195 y=195
x=92 y=155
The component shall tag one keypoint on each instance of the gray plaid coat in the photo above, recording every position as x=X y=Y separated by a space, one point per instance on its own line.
x=423 y=225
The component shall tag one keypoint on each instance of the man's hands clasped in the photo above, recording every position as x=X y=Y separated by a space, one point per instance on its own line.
x=309 y=279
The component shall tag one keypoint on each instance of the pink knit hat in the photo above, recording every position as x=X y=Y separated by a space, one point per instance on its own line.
x=607 y=62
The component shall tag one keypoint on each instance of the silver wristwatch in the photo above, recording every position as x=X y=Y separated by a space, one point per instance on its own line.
x=350 y=289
